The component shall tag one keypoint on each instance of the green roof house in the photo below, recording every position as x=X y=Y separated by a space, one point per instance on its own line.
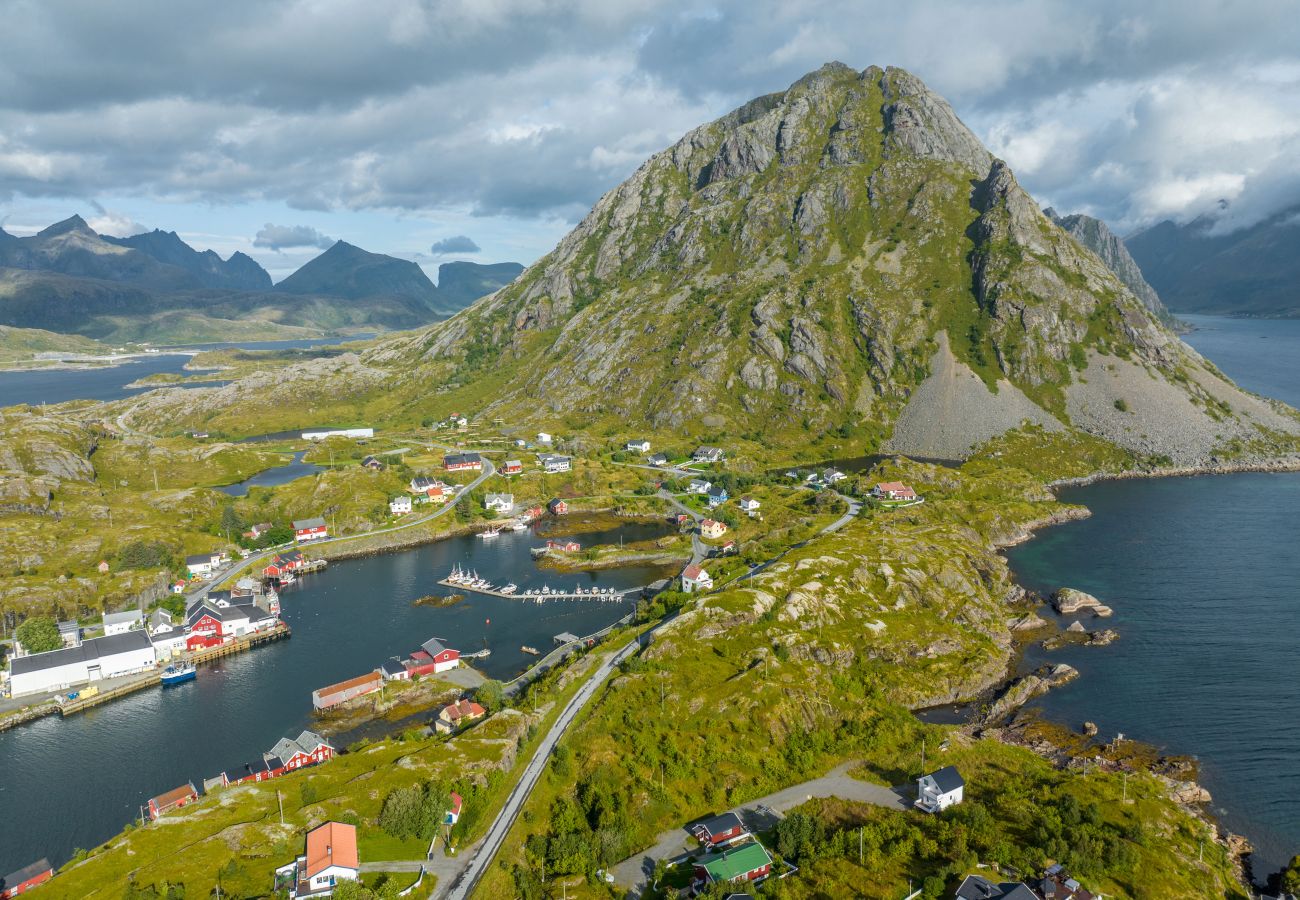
x=747 y=862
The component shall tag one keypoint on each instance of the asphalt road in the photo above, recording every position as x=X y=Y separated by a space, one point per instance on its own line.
x=486 y=850
x=758 y=815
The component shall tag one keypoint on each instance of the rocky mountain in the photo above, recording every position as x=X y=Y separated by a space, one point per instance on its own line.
x=345 y=270
x=239 y=273
x=1252 y=271
x=461 y=283
x=1095 y=235
x=843 y=257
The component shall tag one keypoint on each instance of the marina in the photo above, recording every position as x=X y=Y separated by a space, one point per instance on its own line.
x=344 y=620
x=470 y=581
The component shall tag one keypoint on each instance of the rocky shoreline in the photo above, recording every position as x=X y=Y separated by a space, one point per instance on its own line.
x=1075 y=750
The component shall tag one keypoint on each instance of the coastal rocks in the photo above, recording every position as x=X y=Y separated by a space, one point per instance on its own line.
x=1022 y=690
x=1027 y=622
x=1069 y=601
x=1076 y=627
x=1090 y=729
x=1077 y=635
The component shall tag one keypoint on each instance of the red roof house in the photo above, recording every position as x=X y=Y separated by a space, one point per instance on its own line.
x=173 y=799
x=457 y=714
x=30 y=875
x=558 y=507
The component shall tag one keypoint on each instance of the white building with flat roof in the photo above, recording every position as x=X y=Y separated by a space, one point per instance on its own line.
x=92 y=660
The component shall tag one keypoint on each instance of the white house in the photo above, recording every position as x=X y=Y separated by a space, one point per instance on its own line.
x=708 y=455
x=543 y=437
x=500 y=503
x=637 y=446
x=939 y=790
x=699 y=486
x=331 y=857
x=168 y=638
x=203 y=564
x=400 y=506
x=831 y=476
x=696 y=579
x=748 y=505
x=92 y=660
x=552 y=463
x=122 y=622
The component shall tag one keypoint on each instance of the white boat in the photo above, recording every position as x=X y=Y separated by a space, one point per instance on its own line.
x=519 y=526
x=490 y=533
x=510 y=589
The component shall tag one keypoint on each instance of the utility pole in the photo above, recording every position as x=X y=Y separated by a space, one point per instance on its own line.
x=280 y=800
x=155 y=478
x=922 y=756
x=859 y=845
x=1125 y=794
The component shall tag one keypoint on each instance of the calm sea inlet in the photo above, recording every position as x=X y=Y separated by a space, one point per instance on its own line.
x=1204 y=576
x=75 y=782
x=38 y=386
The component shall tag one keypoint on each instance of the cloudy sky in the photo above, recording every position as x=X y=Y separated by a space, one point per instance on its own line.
x=482 y=129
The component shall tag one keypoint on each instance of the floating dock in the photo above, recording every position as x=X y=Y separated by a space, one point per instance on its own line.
x=616 y=597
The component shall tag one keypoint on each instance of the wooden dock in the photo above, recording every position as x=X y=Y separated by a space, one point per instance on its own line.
x=150 y=678
x=616 y=597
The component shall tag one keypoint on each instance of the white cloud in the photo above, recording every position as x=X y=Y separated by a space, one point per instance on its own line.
x=282 y=237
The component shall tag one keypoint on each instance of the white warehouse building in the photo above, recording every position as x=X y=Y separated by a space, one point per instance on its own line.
x=105 y=657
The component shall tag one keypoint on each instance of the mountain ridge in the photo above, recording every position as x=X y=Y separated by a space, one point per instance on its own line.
x=841 y=264
x=1096 y=236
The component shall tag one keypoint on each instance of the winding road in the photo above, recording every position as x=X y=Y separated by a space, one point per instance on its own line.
x=484 y=852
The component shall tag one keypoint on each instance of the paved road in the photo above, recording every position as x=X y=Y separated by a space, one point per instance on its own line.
x=463 y=885
x=699 y=550
x=855 y=507
x=239 y=565
x=758 y=815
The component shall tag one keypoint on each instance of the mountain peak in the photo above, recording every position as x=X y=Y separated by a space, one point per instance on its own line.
x=70 y=224
x=1096 y=235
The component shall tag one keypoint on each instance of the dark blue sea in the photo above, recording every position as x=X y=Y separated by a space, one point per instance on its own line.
x=1204 y=577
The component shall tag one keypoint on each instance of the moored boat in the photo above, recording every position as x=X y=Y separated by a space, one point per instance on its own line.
x=178 y=673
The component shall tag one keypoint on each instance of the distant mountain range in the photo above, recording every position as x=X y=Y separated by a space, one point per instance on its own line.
x=1253 y=271
x=154 y=286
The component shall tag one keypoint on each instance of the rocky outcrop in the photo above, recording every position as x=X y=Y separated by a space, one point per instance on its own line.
x=1024 y=689
x=1094 y=235
x=1069 y=602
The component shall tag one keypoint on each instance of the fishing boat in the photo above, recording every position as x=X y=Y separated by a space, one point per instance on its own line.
x=178 y=673
x=287 y=578
x=510 y=589
x=519 y=526
x=490 y=533
x=531 y=651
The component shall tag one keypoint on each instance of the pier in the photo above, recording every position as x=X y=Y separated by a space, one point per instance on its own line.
x=150 y=678
x=492 y=591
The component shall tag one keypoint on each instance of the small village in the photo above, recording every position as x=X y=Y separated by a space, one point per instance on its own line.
x=137 y=649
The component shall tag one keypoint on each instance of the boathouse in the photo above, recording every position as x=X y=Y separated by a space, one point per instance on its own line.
x=174 y=799
x=334 y=694
x=558 y=507
x=441 y=657
x=32 y=874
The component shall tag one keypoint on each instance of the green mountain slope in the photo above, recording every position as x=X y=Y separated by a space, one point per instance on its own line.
x=1254 y=271
x=842 y=258
x=1095 y=235
x=841 y=255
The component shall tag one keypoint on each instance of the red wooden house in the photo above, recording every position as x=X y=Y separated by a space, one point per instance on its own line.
x=558 y=507
x=718 y=830
x=310 y=529
x=288 y=755
x=173 y=799
x=563 y=546
x=512 y=467
x=458 y=462
x=282 y=563
x=28 y=877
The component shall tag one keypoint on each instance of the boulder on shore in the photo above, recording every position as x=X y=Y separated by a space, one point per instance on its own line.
x=1069 y=601
x=1027 y=622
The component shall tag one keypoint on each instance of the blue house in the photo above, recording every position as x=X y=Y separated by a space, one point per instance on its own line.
x=717 y=496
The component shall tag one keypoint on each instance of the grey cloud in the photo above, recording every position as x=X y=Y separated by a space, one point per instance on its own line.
x=458 y=244
x=281 y=237
x=535 y=108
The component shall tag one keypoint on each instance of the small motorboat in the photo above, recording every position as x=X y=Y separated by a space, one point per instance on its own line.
x=519 y=526
x=178 y=673
x=490 y=533
x=531 y=651
x=510 y=589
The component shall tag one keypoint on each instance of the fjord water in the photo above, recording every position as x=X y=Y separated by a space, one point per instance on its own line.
x=75 y=782
x=37 y=386
x=1204 y=576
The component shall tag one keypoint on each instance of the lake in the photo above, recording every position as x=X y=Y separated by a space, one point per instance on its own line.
x=1204 y=576
x=276 y=475
x=75 y=782
x=37 y=386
